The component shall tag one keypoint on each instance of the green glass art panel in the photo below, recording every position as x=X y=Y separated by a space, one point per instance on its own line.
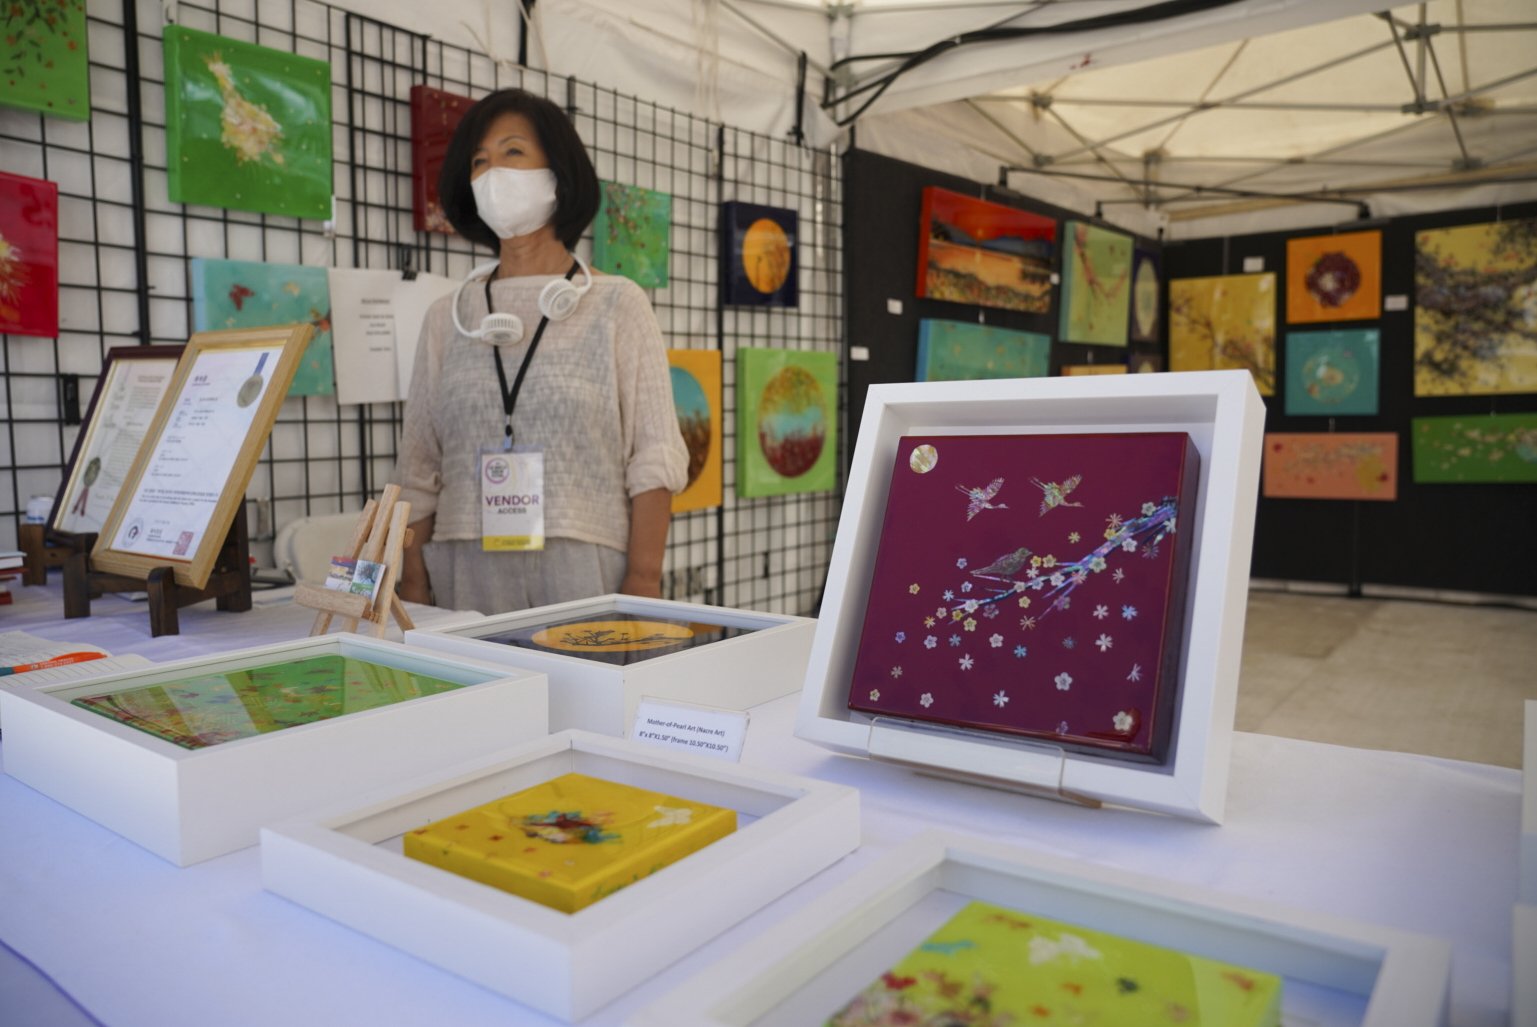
x=950 y=351
x=631 y=234
x=989 y=966
x=210 y=709
x=1475 y=448
x=249 y=294
x=1332 y=373
x=247 y=127
x=1096 y=285
x=43 y=61
x=787 y=428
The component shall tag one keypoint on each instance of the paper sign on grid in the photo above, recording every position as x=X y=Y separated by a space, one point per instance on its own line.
x=699 y=729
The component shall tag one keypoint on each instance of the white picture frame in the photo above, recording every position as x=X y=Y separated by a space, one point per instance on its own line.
x=804 y=968
x=345 y=863
x=1223 y=414
x=732 y=673
x=1527 y=891
x=1523 y=952
x=188 y=805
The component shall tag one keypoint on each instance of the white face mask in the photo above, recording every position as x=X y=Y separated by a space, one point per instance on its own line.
x=515 y=201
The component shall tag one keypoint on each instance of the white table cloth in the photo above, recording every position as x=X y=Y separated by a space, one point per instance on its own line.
x=1409 y=842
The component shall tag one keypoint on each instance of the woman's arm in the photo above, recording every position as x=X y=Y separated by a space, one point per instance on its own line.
x=650 y=513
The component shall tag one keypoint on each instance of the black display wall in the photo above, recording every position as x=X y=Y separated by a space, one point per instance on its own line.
x=882 y=203
x=1471 y=538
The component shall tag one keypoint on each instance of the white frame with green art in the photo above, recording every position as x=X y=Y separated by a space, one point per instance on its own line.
x=810 y=957
x=188 y=805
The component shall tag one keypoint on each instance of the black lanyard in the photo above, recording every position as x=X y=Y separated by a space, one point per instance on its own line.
x=510 y=397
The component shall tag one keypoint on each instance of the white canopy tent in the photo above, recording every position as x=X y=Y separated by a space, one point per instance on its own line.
x=1209 y=122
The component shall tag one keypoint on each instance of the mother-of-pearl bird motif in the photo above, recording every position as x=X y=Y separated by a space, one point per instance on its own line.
x=1054 y=494
x=981 y=498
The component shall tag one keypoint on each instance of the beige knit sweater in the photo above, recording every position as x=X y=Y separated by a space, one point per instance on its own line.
x=597 y=399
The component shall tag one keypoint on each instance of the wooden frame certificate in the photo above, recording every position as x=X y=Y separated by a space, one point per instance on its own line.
x=191 y=473
x=128 y=394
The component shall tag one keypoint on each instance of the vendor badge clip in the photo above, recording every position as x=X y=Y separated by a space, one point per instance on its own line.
x=511 y=500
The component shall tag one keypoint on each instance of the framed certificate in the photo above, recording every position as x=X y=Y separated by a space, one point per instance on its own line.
x=190 y=473
x=133 y=382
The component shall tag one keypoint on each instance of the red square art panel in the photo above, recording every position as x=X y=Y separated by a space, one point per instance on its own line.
x=29 y=256
x=1033 y=585
x=434 y=116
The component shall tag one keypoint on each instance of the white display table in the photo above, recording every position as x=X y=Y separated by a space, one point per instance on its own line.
x=1409 y=842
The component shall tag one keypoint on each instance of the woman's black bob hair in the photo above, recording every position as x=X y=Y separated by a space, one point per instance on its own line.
x=576 y=183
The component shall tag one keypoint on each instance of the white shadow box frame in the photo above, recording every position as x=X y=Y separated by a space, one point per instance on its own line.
x=188 y=805
x=1528 y=889
x=1523 y=952
x=346 y=863
x=589 y=695
x=803 y=969
x=1223 y=414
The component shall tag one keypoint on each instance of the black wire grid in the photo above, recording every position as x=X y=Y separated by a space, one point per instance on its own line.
x=125 y=266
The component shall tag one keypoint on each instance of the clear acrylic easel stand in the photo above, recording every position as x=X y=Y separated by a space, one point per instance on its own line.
x=938 y=750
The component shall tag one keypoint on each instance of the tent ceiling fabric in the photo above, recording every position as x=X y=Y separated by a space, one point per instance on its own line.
x=1267 y=97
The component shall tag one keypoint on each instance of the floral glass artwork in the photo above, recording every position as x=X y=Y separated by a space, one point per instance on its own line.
x=434 y=116
x=1226 y=321
x=248 y=294
x=1475 y=448
x=696 y=396
x=1146 y=297
x=973 y=251
x=758 y=247
x=247 y=127
x=211 y=709
x=29 y=256
x=631 y=234
x=1032 y=585
x=951 y=351
x=787 y=421
x=570 y=841
x=1332 y=465
x=991 y=966
x=1332 y=373
x=1334 y=277
x=1475 y=290
x=616 y=637
x=1096 y=284
x=44 y=65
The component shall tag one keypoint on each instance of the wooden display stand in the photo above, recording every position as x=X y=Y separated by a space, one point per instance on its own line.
x=43 y=553
x=381 y=536
x=229 y=584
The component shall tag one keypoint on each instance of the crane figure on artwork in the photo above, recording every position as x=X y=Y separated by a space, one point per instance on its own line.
x=1054 y=494
x=980 y=499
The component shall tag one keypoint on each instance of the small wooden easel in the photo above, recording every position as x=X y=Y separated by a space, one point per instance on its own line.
x=381 y=536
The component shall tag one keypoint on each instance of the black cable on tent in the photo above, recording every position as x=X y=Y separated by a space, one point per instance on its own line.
x=1141 y=15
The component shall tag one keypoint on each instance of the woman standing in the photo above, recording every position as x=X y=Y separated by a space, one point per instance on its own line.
x=542 y=392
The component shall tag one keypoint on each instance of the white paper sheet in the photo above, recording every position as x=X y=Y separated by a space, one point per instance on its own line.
x=363 y=334
x=411 y=304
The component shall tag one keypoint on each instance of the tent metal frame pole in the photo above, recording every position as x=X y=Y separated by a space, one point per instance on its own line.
x=1211 y=105
x=1013 y=137
x=773 y=36
x=1245 y=193
x=1258 y=105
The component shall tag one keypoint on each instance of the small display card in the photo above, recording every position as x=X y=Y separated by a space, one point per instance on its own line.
x=718 y=733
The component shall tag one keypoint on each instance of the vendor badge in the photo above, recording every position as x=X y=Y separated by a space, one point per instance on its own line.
x=511 y=500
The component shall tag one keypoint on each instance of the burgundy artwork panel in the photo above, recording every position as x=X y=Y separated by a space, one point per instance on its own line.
x=434 y=116
x=1033 y=585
